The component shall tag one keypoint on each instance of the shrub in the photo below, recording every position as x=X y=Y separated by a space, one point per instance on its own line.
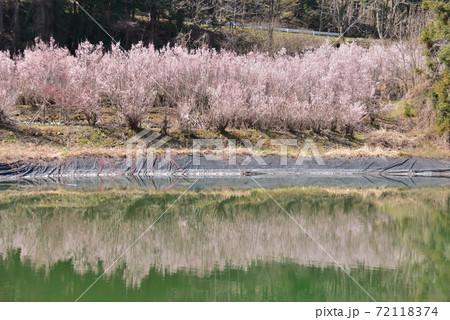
x=326 y=88
x=84 y=81
x=43 y=73
x=126 y=82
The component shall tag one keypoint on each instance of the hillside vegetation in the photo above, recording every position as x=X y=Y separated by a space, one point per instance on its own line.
x=170 y=21
x=353 y=97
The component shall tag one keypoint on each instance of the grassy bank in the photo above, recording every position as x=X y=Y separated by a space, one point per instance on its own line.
x=319 y=97
x=36 y=141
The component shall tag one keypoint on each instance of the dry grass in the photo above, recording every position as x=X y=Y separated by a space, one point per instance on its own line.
x=244 y=40
x=364 y=151
x=24 y=141
x=26 y=151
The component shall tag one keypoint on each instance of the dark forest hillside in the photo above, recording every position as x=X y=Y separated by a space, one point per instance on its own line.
x=163 y=21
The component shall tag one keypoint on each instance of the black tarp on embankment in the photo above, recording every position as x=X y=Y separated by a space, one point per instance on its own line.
x=185 y=165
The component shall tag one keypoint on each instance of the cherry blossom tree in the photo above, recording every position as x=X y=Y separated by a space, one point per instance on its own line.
x=84 y=78
x=126 y=82
x=9 y=89
x=326 y=88
x=43 y=73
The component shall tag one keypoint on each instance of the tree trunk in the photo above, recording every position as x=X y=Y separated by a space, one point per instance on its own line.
x=153 y=17
x=379 y=25
x=379 y=20
x=1 y=17
x=43 y=19
x=271 y=23
x=321 y=9
x=16 y=26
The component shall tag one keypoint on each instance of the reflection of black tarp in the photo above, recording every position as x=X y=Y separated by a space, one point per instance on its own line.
x=184 y=165
x=267 y=181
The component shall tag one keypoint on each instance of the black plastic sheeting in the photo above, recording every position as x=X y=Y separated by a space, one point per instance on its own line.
x=185 y=166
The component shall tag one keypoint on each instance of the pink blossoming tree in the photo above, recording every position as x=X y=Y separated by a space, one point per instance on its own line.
x=9 y=88
x=326 y=88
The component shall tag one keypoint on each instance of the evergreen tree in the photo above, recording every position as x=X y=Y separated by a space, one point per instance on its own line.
x=436 y=37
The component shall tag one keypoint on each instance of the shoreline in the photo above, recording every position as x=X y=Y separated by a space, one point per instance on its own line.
x=205 y=165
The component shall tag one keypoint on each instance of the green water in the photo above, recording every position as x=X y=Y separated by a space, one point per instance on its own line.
x=225 y=244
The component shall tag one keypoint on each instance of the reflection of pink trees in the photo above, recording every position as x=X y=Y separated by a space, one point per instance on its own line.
x=326 y=88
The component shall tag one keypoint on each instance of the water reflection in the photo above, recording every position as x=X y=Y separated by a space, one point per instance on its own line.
x=207 y=233
x=268 y=181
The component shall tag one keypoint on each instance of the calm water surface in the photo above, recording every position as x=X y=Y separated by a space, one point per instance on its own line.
x=224 y=243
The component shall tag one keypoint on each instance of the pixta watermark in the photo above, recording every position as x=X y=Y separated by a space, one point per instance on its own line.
x=150 y=146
